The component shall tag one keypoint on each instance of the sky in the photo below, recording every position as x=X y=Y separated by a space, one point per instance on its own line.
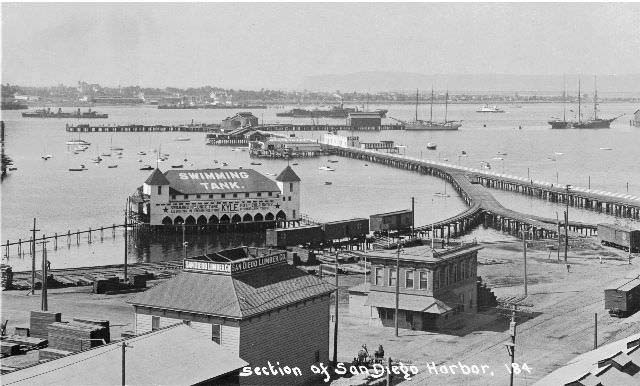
x=276 y=45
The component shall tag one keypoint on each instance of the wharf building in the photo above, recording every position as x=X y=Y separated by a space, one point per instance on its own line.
x=217 y=198
x=437 y=287
x=251 y=302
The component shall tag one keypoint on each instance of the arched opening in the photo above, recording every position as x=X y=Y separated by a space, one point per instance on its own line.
x=281 y=216
x=202 y=220
x=178 y=220
x=269 y=217
x=167 y=221
x=236 y=218
x=214 y=220
x=247 y=218
x=258 y=217
x=224 y=219
x=190 y=221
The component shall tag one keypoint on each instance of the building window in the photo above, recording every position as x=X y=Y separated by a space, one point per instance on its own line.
x=173 y=197
x=155 y=323
x=408 y=279
x=291 y=187
x=289 y=198
x=294 y=214
x=211 y=196
x=159 y=190
x=284 y=198
x=222 y=195
x=235 y=195
x=408 y=316
x=270 y=194
x=197 y=196
x=423 y=280
x=215 y=333
x=246 y=194
x=186 y=196
x=378 y=280
x=259 y=194
x=392 y=277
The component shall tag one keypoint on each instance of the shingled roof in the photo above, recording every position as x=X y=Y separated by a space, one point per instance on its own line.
x=157 y=178
x=239 y=296
x=288 y=175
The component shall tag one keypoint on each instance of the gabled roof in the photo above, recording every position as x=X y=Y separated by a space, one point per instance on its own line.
x=152 y=359
x=236 y=297
x=288 y=175
x=157 y=178
x=219 y=181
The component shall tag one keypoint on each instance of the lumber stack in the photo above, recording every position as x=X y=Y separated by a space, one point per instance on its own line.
x=9 y=349
x=76 y=336
x=99 y=323
x=40 y=321
x=47 y=354
x=6 y=276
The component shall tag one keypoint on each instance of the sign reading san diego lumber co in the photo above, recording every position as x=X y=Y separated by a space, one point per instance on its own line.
x=233 y=267
x=228 y=206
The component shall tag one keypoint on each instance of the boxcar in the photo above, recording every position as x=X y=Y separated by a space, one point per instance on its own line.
x=392 y=221
x=619 y=237
x=282 y=237
x=357 y=227
x=623 y=298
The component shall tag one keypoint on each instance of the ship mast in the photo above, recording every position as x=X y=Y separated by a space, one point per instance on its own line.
x=579 y=106
x=431 y=108
x=416 y=105
x=595 y=99
x=446 y=105
x=564 y=99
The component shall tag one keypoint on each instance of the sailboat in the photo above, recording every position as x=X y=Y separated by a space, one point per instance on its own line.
x=422 y=125
x=562 y=124
x=440 y=194
x=595 y=123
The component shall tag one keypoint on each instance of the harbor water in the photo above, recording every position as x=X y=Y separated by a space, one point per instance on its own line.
x=518 y=142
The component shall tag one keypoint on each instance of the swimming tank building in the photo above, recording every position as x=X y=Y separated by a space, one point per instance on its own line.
x=217 y=197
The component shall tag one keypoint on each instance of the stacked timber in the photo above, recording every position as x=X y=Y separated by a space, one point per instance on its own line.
x=47 y=354
x=99 y=323
x=9 y=349
x=103 y=285
x=27 y=343
x=40 y=321
x=6 y=280
x=76 y=336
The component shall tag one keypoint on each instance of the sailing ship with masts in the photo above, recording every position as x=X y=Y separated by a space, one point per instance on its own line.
x=419 y=124
x=595 y=123
x=563 y=123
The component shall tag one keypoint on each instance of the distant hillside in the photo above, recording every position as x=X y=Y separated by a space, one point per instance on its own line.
x=608 y=85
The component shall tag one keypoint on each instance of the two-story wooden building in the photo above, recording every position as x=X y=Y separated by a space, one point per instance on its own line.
x=251 y=302
x=436 y=287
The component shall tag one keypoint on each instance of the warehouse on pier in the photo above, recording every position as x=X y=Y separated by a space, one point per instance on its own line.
x=217 y=197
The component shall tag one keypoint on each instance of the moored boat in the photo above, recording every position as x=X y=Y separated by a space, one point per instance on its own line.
x=489 y=109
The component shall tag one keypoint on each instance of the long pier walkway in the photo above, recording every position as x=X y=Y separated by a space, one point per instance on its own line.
x=472 y=185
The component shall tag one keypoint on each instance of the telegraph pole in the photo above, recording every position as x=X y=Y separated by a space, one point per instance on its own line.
x=559 y=235
x=595 y=331
x=413 y=214
x=33 y=257
x=524 y=250
x=44 y=304
x=335 y=326
x=126 y=221
x=566 y=227
x=397 y=287
x=512 y=346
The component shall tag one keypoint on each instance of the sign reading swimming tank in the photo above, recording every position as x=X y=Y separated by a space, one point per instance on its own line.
x=219 y=180
x=234 y=267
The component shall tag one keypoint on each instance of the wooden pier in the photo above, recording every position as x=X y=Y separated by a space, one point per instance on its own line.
x=314 y=127
x=471 y=185
x=86 y=128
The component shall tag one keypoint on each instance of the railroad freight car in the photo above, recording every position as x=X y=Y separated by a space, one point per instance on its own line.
x=623 y=298
x=392 y=221
x=282 y=237
x=354 y=228
x=619 y=237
